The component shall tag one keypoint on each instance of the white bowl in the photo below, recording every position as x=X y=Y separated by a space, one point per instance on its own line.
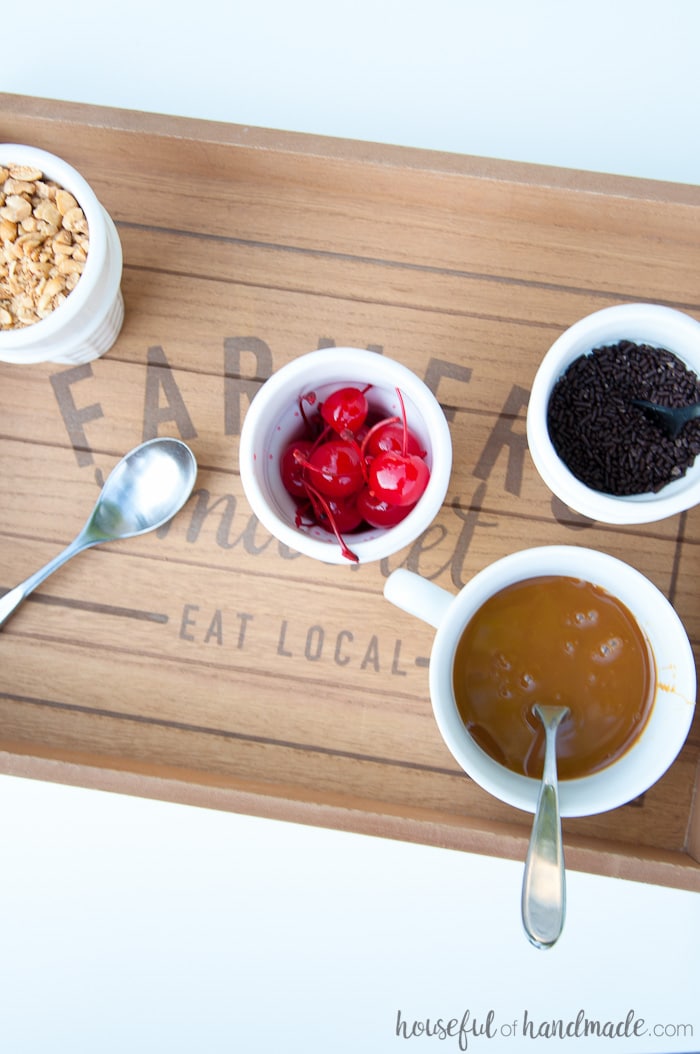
x=86 y=325
x=650 y=324
x=667 y=727
x=273 y=421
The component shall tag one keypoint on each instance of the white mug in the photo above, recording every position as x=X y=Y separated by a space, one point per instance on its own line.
x=666 y=729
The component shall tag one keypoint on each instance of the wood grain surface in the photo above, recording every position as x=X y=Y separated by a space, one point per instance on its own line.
x=206 y=663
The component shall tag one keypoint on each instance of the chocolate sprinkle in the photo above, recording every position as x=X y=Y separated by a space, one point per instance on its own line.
x=605 y=441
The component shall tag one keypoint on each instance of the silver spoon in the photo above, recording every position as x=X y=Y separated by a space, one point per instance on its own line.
x=671 y=418
x=142 y=492
x=544 y=881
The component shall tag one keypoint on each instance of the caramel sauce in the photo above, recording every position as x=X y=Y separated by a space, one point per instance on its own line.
x=561 y=641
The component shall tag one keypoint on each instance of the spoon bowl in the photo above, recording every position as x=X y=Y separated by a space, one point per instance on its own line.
x=142 y=492
x=672 y=419
x=544 y=880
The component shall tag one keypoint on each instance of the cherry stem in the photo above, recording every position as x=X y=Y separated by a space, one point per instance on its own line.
x=315 y=495
x=320 y=437
x=302 y=460
x=310 y=398
x=348 y=436
x=404 y=448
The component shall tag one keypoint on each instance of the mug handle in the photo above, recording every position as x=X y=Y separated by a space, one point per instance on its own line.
x=417 y=596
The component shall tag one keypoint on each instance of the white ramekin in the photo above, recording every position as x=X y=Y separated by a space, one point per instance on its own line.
x=272 y=421
x=86 y=325
x=653 y=324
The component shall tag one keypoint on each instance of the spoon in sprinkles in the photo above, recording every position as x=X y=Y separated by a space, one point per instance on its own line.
x=672 y=419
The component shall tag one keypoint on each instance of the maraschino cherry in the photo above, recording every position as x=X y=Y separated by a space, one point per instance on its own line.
x=348 y=472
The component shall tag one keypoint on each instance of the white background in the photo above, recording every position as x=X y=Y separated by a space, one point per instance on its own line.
x=133 y=926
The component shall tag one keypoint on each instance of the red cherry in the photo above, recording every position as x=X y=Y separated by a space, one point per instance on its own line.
x=335 y=468
x=292 y=470
x=390 y=436
x=345 y=408
x=398 y=479
x=339 y=514
x=379 y=513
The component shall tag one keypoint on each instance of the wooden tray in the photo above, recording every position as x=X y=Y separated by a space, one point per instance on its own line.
x=206 y=664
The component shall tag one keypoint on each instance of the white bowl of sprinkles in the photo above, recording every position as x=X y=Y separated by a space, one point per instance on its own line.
x=648 y=326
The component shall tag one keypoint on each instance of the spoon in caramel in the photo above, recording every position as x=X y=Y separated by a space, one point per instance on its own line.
x=544 y=881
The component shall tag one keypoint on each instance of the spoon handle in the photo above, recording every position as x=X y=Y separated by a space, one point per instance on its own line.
x=14 y=597
x=544 y=883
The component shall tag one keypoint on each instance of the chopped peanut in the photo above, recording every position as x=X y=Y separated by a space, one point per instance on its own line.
x=43 y=245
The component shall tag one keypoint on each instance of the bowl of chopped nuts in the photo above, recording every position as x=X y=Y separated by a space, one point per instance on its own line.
x=599 y=451
x=60 y=262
